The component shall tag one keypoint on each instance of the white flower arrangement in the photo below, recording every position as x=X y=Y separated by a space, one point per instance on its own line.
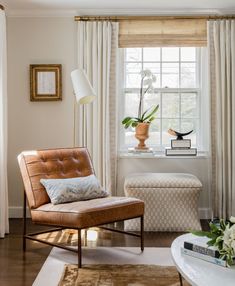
x=146 y=85
x=222 y=236
x=229 y=238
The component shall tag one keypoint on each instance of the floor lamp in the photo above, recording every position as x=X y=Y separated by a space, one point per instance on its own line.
x=83 y=91
x=84 y=94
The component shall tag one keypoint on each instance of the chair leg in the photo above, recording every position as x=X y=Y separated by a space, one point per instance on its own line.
x=85 y=237
x=142 y=232
x=79 y=249
x=24 y=223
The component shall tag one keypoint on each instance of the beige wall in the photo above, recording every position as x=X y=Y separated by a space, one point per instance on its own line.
x=37 y=124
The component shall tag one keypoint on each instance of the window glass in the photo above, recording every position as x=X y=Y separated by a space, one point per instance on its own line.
x=170 y=54
x=151 y=54
x=170 y=75
x=176 y=90
x=188 y=54
x=133 y=55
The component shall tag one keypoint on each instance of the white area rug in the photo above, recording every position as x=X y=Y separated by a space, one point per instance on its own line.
x=53 y=267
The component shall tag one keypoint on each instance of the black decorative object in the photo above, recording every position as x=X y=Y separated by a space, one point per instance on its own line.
x=178 y=134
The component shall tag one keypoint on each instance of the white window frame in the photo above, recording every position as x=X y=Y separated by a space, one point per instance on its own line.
x=202 y=97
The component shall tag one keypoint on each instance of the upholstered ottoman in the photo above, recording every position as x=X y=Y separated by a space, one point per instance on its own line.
x=171 y=201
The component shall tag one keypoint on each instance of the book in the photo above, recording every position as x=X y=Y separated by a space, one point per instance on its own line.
x=199 y=245
x=181 y=152
x=184 y=143
x=136 y=150
x=204 y=257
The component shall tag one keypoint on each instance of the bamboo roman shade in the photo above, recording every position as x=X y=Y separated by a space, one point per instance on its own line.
x=162 y=32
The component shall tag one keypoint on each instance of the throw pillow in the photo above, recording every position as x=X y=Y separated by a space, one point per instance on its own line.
x=73 y=189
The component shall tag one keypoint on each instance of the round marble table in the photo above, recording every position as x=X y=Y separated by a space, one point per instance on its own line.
x=199 y=272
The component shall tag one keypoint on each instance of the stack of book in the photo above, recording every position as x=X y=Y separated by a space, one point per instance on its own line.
x=181 y=148
x=198 y=248
x=139 y=151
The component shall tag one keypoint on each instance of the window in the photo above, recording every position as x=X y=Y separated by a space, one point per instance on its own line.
x=178 y=91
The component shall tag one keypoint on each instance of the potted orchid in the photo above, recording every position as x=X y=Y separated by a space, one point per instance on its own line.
x=222 y=236
x=142 y=122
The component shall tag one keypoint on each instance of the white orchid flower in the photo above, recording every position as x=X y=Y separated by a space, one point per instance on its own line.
x=227 y=239
x=233 y=246
x=232 y=219
x=148 y=73
x=147 y=81
x=232 y=233
x=142 y=73
x=154 y=78
x=151 y=89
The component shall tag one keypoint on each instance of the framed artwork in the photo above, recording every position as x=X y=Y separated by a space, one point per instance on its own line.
x=45 y=82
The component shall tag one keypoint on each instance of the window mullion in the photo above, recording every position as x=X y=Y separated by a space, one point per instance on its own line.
x=142 y=68
x=179 y=67
x=179 y=93
x=180 y=115
x=160 y=119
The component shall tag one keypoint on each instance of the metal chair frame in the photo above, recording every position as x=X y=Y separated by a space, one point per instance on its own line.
x=30 y=236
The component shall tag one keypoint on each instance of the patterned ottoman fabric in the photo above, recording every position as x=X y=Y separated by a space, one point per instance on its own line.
x=171 y=201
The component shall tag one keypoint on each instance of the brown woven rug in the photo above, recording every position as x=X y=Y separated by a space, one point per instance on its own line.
x=120 y=275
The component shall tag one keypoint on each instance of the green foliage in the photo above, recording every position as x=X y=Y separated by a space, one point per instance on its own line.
x=200 y=233
x=147 y=117
x=216 y=238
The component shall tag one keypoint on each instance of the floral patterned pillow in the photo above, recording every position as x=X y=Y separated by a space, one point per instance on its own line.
x=73 y=189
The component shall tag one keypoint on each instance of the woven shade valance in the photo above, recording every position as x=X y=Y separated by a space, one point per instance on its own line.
x=163 y=32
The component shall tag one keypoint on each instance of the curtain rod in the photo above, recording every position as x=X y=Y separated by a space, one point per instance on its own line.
x=123 y=18
x=2 y=7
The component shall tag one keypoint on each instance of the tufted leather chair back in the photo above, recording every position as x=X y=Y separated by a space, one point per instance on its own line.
x=51 y=164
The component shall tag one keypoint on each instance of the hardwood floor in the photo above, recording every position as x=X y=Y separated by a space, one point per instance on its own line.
x=20 y=269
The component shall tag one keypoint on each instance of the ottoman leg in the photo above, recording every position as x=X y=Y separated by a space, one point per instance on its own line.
x=142 y=232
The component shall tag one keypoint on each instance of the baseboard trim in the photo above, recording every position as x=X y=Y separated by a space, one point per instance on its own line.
x=17 y=212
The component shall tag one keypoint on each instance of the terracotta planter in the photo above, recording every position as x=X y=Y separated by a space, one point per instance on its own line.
x=142 y=134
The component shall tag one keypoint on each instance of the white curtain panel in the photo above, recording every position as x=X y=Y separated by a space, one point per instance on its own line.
x=4 y=225
x=97 y=122
x=221 y=42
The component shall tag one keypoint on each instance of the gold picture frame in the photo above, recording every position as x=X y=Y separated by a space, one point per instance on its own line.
x=46 y=82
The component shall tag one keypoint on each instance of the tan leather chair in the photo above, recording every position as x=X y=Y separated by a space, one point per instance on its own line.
x=69 y=163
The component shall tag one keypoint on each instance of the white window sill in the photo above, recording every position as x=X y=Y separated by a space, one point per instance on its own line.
x=160 y=155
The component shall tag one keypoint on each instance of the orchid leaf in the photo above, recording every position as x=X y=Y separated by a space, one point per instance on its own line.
x=152 y=118
x=200 y=233
x=128 y=124
x=222 y=224
x=142 y=117
x=155 y=109
x=125 y=120
x=211 y=242
x=134 y=124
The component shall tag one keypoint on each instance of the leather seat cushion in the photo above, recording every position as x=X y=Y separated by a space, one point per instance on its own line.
x=89 y=213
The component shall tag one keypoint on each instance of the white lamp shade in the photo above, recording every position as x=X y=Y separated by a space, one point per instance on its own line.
x=82 y=88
